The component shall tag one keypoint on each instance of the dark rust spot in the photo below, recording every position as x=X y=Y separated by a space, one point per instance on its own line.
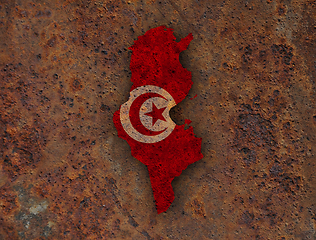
x=104 y=108
x=247 y=218
x=281 y=9
x=198 y=208
x=52 y=41
x=45 y=13
x=76 y=84
x=8 y=201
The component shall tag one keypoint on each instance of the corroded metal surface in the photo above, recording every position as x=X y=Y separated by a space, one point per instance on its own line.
x=64 y=173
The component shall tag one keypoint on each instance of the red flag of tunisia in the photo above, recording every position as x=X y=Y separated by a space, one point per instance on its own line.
x=159 y=83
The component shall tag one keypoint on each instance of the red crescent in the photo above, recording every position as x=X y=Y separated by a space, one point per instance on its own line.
x=134 y=114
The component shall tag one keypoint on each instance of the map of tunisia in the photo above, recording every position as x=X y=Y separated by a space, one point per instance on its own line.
x=159 y=83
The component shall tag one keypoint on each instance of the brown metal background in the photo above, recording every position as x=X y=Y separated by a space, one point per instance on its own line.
x=64 y=173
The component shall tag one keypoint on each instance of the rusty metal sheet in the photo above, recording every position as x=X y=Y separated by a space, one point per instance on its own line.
x=64 y=71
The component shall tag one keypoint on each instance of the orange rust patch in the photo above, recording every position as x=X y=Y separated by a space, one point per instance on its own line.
x=76 y=84
x=255 y=114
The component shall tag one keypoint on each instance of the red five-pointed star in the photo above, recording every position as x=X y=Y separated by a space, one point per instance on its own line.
x=156 y=114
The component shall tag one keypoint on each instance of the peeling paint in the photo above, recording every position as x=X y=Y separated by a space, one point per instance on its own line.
x=38 y=208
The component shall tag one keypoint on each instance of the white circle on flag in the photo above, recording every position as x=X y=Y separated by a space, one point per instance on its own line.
x=153 y=125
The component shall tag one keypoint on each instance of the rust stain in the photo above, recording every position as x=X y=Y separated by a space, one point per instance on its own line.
x=64 y=70
x=76 y=84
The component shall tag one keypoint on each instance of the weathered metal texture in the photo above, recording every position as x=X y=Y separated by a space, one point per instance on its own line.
x=64 y=173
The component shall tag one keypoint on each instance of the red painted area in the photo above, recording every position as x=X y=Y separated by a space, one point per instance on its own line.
x=156 y=114
x=187 y=121
x=193 y=97
x=155 y=61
